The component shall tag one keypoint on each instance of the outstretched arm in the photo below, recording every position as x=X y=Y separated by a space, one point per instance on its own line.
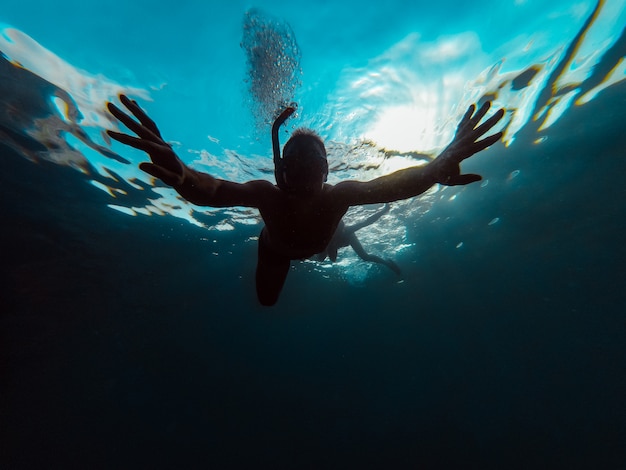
x=369 y=221
x=196 y=187
x=445 y=169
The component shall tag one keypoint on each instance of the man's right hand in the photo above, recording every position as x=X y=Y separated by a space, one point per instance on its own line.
x=465 y=144
x=165 y=165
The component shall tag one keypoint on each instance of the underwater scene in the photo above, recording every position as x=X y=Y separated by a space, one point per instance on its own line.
x=473 y=326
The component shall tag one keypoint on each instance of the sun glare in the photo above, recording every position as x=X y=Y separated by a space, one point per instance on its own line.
x=406 y=128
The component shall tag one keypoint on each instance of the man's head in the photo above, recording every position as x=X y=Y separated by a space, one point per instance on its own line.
x=305 y=167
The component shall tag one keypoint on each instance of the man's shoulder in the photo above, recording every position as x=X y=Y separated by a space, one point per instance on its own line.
x=343 y=188
x=261 y=187
x=262 y=184
x=257 y=192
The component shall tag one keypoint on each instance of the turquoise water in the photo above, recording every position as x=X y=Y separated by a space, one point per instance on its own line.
x=134 y=336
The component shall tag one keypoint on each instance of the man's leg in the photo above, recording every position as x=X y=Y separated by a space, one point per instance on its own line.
x=271 y=272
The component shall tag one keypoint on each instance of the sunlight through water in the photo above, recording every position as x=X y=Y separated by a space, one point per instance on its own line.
x=396 y=108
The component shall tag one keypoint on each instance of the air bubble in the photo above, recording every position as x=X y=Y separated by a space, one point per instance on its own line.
x=273 y=65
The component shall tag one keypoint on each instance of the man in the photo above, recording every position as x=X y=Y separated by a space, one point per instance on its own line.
x=302 y=213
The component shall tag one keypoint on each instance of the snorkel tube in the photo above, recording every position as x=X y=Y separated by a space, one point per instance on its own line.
x=278 y=161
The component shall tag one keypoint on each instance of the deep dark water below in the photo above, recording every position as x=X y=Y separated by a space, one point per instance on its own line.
x=127 y=344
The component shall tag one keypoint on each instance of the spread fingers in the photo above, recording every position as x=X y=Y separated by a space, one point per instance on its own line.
x=131 y=124
x=489 y=123
x=136 y=142
x=139 y=113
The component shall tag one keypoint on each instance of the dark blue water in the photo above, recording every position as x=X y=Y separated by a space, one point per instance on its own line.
x=126 y=344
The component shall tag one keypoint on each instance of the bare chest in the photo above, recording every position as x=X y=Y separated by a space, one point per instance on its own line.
x=301 y=228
